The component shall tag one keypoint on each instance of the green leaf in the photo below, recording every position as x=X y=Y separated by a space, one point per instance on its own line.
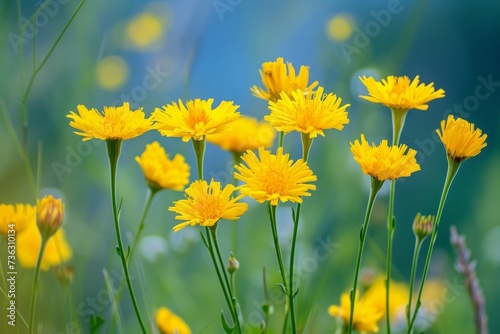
x=96 y=321
x=227 y=329
x=283 y=288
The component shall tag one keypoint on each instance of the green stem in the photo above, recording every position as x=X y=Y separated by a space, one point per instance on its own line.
x=281 y=139
x=199 y=150
x=210 y=247
x=453 y=167
x=272 y=216
x=113 y=148
x=414 y=264
x=291 y=291
x=234 y=224
x=232 y=306
x=375 y=187
x=147 y=205
x=398 y=121
x=35 y=283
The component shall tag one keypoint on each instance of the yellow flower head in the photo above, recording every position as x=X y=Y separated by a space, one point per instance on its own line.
x=114 y=123
x=50 y=214
x=277 y=79
x=245 y=133
x=56 y=252
x=161 y=172
x=366 y=313
x=170 y=323
x=274 y=177
x=460 y=139
x=194 y=120
x=398 y=297
x=15 y=218
x=384 y=162
x=308 y=113
x=399 y=93
x=206 y=204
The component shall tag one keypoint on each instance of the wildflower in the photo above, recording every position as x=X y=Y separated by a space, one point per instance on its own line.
x=245 y=133
x=170 y=323
x=307 y=113
x=194 y=120
x=161 y=172
x=206 y=204
x=399 y=93
x=50 y=214
x=16 y=217
x=384 y=162
x=460 y=139
x=398 y=297
x=115 y=123
x=274 y=177
x=366 y=314
x=423 y=226
x=279 y=77
x=56 y=252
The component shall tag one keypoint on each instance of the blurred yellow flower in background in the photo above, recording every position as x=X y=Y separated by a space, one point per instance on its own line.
x=366 y=313
x=21 y=215
x=144 y=30
x=194 y=120
x=56 y=252
x=50 y=214
x=170 y=323
x=400 y=93
x=160 y=172
x=206 y=204
x=111 y=72
x=274 y=178
x=308 y=113
x=340 y=27
x=384 y=162
x=279 y=77
x=460 y=139
x=114 y=123
x=245 y=133
x=398 y=297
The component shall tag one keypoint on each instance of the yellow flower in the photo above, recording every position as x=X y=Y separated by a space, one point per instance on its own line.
x=113 y=123
x=206 y=204
x=384 y=162
x=161 y=172
x=398 y=297
x=15 y=218
x=366 y=313
x=194 y=120
x=145 y=29
x=307 y=113
x=50 y=214
x=245 y=133
x=398 y=93
x=277 y=79
x=56 y=252
x=274 y=177
x=460 y=139
x=170 y=323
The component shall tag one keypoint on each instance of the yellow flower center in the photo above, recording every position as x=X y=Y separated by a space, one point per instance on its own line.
x=400 y=86
x=275 y=177
x=196 y=116
x=209 y=206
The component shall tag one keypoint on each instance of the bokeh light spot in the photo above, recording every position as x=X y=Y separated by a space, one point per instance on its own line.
x=144 y=30
x=340 y=27
x=112 y=72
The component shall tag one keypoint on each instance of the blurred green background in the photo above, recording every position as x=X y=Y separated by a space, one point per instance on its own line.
x=153 y=53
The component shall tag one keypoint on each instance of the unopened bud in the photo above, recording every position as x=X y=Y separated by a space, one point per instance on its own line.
x=50 y=214
x=233 y=264
x=422 y=226
x=64 y=274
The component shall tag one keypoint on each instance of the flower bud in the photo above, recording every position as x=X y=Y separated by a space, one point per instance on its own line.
x=64 y=274
x=50 y=213
x=422 y=226
x=233 y=264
